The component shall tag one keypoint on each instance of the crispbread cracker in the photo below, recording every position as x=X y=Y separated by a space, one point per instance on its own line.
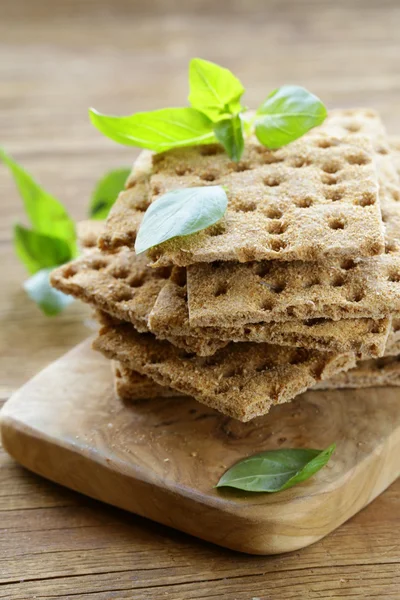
x=232 y=294
x=123 y=286
x=241 y=380
x=112 y=283
x=170 y=318
x=130 y=385
x=88 y=233
x=367 y=373
x=280 y=203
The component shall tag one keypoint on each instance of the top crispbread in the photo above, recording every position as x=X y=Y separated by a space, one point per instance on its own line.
x=241 y=380
x=230 y=294
x=282 y=204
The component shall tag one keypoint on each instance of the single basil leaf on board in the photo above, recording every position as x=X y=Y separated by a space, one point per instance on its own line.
x=106 y=192
x=214 y=91
x=275 y=470
x=180 y=213
x=157 y=130
x=37 y=250
x=47 y=215
x=49 y=300
x=229 y=133
x=287 y=114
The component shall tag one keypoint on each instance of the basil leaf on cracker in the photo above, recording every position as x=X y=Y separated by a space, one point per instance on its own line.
x=229 y=133
x=214 y=91
x=287 y=114
x=180 y=213
x=157 y=130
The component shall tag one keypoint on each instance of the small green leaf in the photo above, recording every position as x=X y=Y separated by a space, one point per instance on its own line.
x=180 y=212
x=229 y=133
x=275 y=470
x=37 y=250
x=287 y=114
x=157 y=130
x=49 y=300
x=214 y=91
x=106 y=192
x=47 y=215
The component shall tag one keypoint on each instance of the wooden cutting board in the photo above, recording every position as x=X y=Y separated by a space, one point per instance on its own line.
x=161 y=458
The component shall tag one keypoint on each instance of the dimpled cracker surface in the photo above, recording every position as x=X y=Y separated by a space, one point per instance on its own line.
x=280 y=203
x=230 y=294
x=113 y=283
x=367 y=373
x=127 y=212
x=170 y=317
x=124 y=287
x=241 y=380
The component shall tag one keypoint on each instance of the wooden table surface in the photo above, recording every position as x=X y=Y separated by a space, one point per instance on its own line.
x=56 y=60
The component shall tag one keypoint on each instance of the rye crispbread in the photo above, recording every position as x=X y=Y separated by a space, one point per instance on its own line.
x=240 y=380
x=170 y=318
x=130 y=385
x=280 y=203
x=367 y=373
x=123 y=286
x=232 y=294
x=88 y=233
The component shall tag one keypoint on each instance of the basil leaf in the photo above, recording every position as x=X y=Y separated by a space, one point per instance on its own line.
x=37 y=250
x=214 y=91
x=180 y=212
x=275 y=470
x=287 y=114
x=106 y=192
x=157 y=130
x=229 y=133
x=50 y=301
x=47 y=215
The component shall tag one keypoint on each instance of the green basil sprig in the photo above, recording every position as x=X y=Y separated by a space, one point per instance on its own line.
x=179 y=213
x=106 y=192
x=216 y=113
x=275 y=470
x=51 y=241
x=214 y=91
x=157 y=130
x=287 y=114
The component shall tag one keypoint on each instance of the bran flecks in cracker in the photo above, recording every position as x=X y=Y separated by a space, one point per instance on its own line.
x=279 y=203
x=367 y=373
x=230 y=294
x=123 y=286
x=170 y=318
x=130 y=385
x=240 y=380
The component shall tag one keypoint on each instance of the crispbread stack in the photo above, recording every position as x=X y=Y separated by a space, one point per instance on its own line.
x=297 y=287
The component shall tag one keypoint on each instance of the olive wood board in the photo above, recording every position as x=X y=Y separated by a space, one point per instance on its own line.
x=162 y=458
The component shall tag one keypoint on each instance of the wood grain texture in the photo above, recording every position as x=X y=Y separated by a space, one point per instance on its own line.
x=56 y=59
x=161 y=458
